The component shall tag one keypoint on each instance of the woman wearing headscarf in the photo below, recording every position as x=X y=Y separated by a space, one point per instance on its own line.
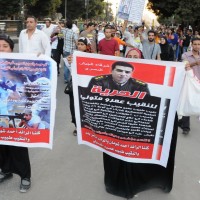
x=134 y=53
x=126 y=179
x=14 y=159
x=167 y=52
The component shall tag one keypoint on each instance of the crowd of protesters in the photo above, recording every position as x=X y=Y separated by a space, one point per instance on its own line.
x=157 y=43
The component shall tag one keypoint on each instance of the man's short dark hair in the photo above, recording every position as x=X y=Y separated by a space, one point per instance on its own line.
x=151 y=31
x=121 y=63
x=69 y=24
x=90 y=24
x=107 y=27
x=195 y=39
x=31 y=16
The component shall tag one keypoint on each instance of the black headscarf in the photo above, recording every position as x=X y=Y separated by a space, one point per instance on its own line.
x=166 y=50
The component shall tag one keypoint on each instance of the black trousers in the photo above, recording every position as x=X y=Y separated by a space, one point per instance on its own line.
x=56 y=54
x=72 y=110
x=15 y=160
x=184 y=123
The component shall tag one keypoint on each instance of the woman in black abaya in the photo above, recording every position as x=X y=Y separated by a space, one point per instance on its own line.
x=167 y=52
x=126 y=179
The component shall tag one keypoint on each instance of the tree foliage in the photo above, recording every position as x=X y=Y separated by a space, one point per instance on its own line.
x=7 y=8
x=48 y=8
x=44 y=8
x=13 y=7
x=183 y=10
x=77 y=8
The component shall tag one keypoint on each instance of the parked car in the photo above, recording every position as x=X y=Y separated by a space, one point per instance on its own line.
x=40 y=26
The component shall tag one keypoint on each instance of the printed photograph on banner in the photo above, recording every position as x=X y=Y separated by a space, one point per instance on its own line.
x=125 y=107
x=25 y=100
x=124 y=9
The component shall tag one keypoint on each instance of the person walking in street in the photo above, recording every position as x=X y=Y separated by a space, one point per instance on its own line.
x=57 y=43
x=83 y=45
x=14 y=159
x=32 y=40
x=108 y=45
x=151 y=50
x=126 y=179
x=91 y=35
x=48 y=29
x=70 y=41
x=167 y=52
x=192 y=60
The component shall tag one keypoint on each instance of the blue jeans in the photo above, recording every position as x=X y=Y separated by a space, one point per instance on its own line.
x=67 y=74
x=185 y=49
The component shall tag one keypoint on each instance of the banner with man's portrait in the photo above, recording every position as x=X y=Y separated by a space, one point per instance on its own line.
x=126 y=107
x=27 y=100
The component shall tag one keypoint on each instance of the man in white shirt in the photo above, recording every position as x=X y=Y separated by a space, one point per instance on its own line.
x=48 y=29
x=32 y=40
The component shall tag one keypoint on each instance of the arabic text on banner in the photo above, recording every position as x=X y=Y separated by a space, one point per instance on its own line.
x=27 y=85
x=134 y=127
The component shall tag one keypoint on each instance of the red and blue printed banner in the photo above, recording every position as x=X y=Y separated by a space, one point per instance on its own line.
x=132 y=121
x=27 y=100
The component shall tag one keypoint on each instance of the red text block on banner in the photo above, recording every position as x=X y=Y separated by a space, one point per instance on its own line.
x=149 y=73
x=25 y=135
x=123 y=147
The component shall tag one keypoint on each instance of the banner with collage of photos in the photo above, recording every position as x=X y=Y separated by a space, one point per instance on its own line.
x=27 y=100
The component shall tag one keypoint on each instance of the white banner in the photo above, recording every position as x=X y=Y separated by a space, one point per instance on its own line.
x=131 y=10
x=131 y=121
x=27 y=99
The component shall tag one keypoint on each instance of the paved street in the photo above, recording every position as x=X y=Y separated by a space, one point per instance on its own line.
x=75 y=172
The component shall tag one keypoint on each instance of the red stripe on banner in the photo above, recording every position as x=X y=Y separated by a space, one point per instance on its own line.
x=171 y=76
x=159 y=151
x=149 y=73
x=120 y=147
x=25 y=135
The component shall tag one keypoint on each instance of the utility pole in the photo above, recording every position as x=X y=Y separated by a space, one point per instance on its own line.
x=22 y=12
x=87 y=9
x=107 y=14
x=116 y=13
x=65 y=10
